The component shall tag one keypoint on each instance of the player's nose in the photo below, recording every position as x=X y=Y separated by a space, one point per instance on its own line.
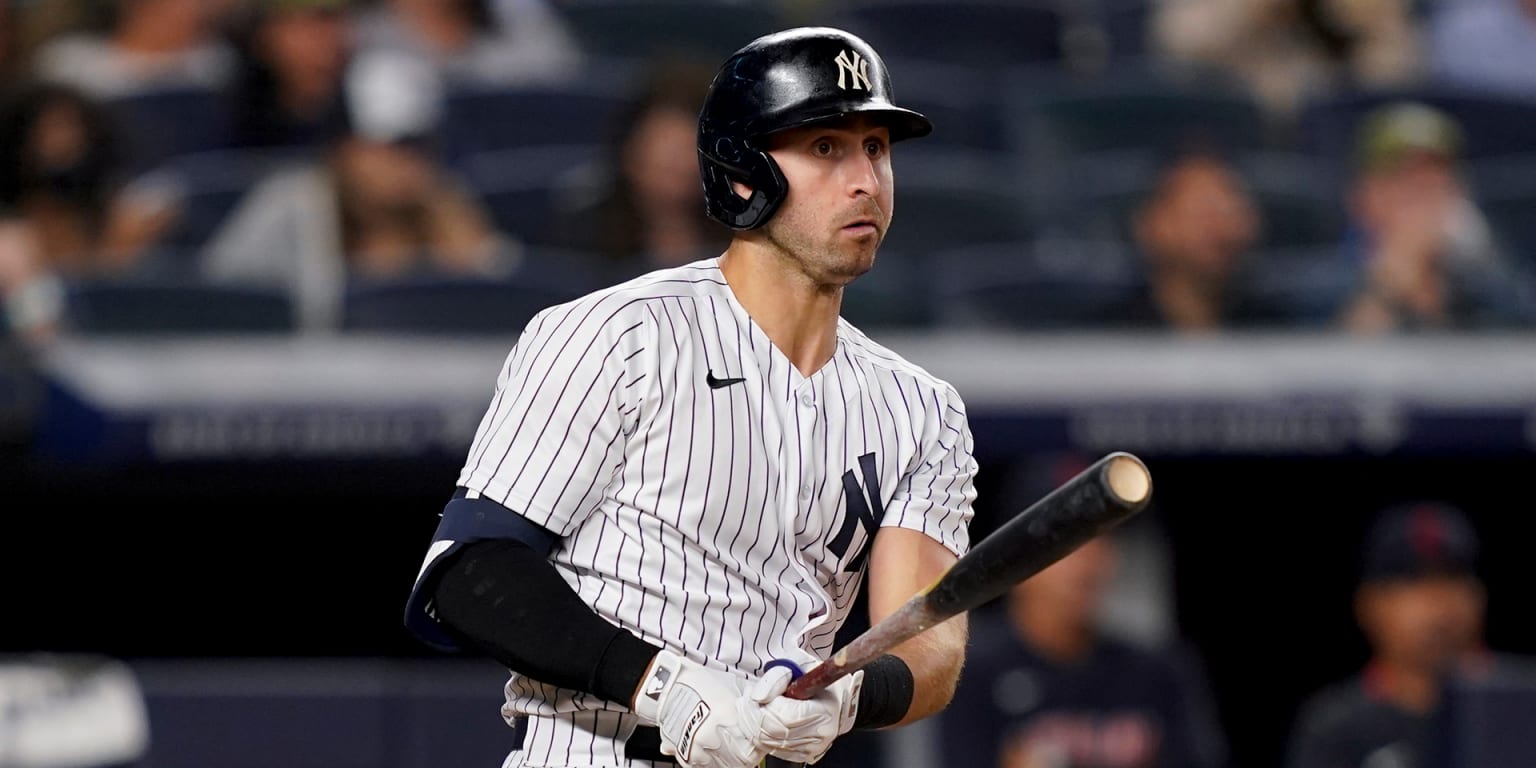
x=863 y=175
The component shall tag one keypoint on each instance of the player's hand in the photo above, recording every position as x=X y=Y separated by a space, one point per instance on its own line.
x=803 y=731
x=705 y=717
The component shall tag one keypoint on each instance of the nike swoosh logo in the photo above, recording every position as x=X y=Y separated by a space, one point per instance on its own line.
x=714 y=383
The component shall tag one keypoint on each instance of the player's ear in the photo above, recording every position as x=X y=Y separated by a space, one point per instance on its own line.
x=742 y=190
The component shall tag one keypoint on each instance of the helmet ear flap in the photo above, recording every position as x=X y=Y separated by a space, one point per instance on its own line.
x=752 y=167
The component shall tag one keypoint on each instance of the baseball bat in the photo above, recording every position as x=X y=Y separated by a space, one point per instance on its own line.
x=1095 y=500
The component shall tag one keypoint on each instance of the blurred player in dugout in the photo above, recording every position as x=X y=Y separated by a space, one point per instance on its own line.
x=1420 y=605
x=1046 y=686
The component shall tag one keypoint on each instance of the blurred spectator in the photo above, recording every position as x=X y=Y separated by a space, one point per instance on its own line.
x=150 y=44
x=378 y=205
x=648 y=210
x=1421 y=606
x=1427 y=255
x=1290 y=51
x=1192 y=233
x=523 y=41
x=1047 y=688
x=64 y=211
x=1487 y=44
x=294 y=57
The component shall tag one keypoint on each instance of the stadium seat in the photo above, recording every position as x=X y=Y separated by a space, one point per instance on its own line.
x=144 y=307
x=1295 y=197
x=479 y=120
x=523 y=189
x=211 y=185
x=1300 y=287
x=895 y=294
x=1041 y=285
x=1505 y=189
x=707 y=28
x=949 y=199
x=453 y=305
x=963 y=105
x=1492 y=124
x=160 y=125
x=978 y=33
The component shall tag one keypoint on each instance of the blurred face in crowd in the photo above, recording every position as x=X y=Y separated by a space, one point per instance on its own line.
x=1420 y=187
x=384 y=176
x=840 y=197
x=1074 y=586
x=1201 y=219
x=1425 y=623
x=661 y=163
x=178 y=22
x=307 y=49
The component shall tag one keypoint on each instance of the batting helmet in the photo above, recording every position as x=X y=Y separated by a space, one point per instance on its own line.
x=779 y=81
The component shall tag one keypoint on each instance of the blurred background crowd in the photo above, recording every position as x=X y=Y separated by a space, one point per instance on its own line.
x=1193 y=170
x=309 y=165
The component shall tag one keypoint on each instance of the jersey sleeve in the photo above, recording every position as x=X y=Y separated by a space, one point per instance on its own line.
x=935 y=497
x=570 y=390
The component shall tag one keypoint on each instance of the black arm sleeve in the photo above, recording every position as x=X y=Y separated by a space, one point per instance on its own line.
x=507 y=600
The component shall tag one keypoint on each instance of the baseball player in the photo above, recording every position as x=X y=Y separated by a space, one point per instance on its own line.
x=682 y=480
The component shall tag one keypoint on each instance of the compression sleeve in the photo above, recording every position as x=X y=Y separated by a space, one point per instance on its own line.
x=504 y=598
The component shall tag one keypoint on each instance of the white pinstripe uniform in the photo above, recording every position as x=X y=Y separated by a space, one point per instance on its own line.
x=728 y=521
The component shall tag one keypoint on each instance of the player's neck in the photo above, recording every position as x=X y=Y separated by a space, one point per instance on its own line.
x=799 y=317
x=1410 y=688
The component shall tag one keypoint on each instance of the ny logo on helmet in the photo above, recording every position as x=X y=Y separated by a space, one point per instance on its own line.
x=851 y=67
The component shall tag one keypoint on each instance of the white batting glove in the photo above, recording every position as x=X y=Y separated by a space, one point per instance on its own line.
x=803 y=731
x=705 y=717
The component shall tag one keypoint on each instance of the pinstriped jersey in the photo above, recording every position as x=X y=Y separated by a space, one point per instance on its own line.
x=709 y=497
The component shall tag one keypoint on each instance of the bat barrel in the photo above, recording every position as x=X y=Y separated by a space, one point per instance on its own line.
x=1104 y=495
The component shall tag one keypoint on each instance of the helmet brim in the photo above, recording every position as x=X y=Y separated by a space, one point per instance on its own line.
x=903 y=123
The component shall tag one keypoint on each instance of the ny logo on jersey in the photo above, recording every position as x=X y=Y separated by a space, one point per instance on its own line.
x=859 y=512
x=851 y=67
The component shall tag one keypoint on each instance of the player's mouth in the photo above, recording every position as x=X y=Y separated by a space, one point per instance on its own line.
x=862 y=227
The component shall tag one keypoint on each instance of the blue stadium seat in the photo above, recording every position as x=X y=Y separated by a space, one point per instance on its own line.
x=895 y=294
x=1505 y=189
x=712 y=29
x=479 y=120
x=143 y=307
x=212 y=184
x=1493 y=124
x=947 y=199
x=983 y=33
x=159 y=125
x=962 y=103
x=1040 y=285
x=453 y=305
x=1301 y=287
x=1295 y=196
x=523 y=189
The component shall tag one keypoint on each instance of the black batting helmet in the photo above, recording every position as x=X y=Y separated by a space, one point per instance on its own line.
x=784 y=80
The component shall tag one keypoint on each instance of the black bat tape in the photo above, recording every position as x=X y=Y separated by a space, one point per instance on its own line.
x=1047 y=531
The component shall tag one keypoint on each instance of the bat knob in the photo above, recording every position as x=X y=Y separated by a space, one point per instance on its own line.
x=795 y=672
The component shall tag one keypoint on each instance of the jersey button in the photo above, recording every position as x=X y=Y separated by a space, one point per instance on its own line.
x=805 y=491
x=808 y=401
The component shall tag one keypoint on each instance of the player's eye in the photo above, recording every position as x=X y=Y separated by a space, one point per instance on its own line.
x=822 y=148
x=874 y=148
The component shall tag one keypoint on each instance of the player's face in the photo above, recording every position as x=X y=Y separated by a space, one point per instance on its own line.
x=840 y=197
x=1424 y=623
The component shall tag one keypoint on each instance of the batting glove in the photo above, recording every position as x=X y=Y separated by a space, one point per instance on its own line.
x=803 y=731
x=705 y=717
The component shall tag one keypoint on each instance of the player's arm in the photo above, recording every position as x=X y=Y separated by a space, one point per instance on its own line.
x=903 y=563
x=495 y=590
